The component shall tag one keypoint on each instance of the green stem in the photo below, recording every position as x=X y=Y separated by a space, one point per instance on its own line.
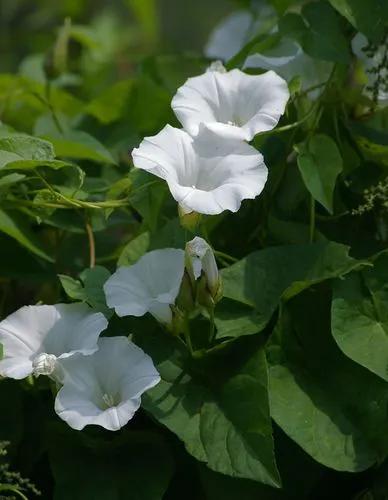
x=225 y=256
x=92 y=245
x=68 y=203
x=312 y=219
x=291 y=126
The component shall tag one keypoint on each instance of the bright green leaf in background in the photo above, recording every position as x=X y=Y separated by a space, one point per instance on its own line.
x=360 y=317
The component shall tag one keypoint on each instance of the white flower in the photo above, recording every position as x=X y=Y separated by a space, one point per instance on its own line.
x=237 y=29
x=206 y=174
x=105 y=388
x=201 y=260
x=34 y=337
x=233 y=104
x=151 y=285
x=286 y=57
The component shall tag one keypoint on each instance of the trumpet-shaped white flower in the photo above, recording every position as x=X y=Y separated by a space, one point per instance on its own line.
x=35 y=337
x=201 y=260
x=233 y=103
x=151 y=285
x=286 y=57
x=105 y=388
x=206 y=174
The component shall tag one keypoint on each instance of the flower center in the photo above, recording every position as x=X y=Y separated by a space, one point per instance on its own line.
x=108 y=400
x=44 y=364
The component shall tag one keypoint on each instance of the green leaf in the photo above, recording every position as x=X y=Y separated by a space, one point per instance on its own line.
x=319 y=32
x=10 y=179
x=360 y=317
x=320 y=163
x=235 y=320
x=147 y=197
x=135 y=465
x=18 y=150
x=72 y=287
x=263 y=278
x=80 y=145
x=15 y=226
x=146 y=14
x=110 y=104
x=325 y=39
x=94 y=279
x=89 y=288
x=222 y=415
x=368 y=17
x=134 y=250
x=333 y=408
x=149 y=106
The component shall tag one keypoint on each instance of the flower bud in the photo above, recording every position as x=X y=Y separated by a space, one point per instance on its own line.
x=186 y=298
x=201 y=265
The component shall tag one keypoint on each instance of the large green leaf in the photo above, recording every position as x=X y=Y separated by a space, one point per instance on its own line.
x=333 y=408
x=110 y=104
x=320 y=163
x=79 y=145
x=319 y=32
x=24 y=152
x=368 y=17
x=220 y=410
x=134 y=249
x=147 y=197
x=135 y=465
x=360 y=317
x=325 y=39
x=15 y=226
x=263 y=278
x=89 y=288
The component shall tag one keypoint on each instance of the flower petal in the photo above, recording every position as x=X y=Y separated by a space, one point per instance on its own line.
x=154 y=279
x=210 y=173
x=60 y=329
x=119 y=371
x=77 y=329
x=233 y=104
x=162 y=154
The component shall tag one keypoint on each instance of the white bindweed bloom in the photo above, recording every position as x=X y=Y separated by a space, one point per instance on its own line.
x=285 y=56
x=207 y=173
x=232 y=104
x=35 y=337
x=237 y=29
x=151 y=285
x=105 y=388
x=201 y=260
